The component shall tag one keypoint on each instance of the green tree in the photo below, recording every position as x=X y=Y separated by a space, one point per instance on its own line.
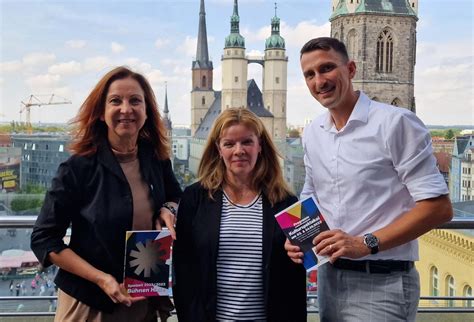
x=449 y=134
x=293 y=133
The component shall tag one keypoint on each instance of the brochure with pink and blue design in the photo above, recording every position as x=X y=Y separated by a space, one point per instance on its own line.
x=301 y=222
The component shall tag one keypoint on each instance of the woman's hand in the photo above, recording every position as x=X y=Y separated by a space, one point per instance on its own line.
x=294 y=252
x=166 y=218
x=116 y=291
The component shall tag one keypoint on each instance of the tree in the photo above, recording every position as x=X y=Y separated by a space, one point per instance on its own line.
x=449 y=134
x=293 y=133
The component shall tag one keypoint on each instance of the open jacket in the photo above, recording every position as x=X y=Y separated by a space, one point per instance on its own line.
x=92 y=195
x=195 y=255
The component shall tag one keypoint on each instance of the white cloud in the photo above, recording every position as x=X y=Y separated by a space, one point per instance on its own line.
x=116 y=47
x=161 y=43
x=298 y=35
x=43 y=82
x=38 y=59
x=188 y=46
x=76 y=43
x=69 y=68
x=98 y=63
x=11 y=66
x=156 y=78
x=443 y=83
x=137 y=65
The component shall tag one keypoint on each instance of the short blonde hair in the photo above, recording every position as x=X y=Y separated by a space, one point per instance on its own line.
x=267 y=175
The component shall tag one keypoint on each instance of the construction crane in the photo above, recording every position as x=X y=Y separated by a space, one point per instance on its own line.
x=34 y=100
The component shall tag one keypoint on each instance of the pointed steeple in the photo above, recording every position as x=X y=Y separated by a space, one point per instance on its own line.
x=235 y=39
x=202 y=52
x=275 y=41
x=166 y=111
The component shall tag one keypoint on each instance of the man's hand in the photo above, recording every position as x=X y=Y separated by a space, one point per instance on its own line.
x=294 y=252
x=336 y=243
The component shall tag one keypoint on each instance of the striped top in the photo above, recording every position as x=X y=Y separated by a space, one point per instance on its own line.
x=239 y=262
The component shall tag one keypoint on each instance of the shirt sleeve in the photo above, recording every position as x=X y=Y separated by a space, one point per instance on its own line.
x=59 y=205
x=409 y=144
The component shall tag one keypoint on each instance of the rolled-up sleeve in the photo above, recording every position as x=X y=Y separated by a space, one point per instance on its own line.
x=409 y=143
x=59 y=205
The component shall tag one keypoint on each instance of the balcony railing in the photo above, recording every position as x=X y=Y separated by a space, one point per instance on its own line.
x=11 y=222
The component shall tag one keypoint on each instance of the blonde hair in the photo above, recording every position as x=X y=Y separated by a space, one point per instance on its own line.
x=267 y=175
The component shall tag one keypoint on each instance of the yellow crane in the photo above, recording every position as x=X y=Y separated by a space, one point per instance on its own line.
x=35 y=100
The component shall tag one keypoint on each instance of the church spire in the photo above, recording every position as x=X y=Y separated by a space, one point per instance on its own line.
x=166 y=111
x=202 y=52
x=235 y=39
x=275 y=41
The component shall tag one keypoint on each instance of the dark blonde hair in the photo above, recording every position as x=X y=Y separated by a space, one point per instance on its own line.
x=267 y=175
x=89 y=128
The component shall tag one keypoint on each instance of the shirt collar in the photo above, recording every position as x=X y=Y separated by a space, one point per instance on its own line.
x=359 y=113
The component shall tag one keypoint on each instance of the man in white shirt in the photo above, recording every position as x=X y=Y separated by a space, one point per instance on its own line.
x=372 y=170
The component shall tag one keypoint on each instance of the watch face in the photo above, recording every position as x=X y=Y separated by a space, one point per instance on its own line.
x=371 y=241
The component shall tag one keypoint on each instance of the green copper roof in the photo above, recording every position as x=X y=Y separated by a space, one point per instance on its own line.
x=275 y=41
x=235 y=39
x=341 y=9
x=400 y=7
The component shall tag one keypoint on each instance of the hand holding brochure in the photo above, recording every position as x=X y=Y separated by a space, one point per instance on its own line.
x=301 y=222
x=147 y=263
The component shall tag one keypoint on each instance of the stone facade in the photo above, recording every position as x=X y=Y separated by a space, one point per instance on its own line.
x=383 y=45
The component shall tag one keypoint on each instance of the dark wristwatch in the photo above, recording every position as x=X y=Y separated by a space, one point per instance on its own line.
x=170 y=207
x=372 y=243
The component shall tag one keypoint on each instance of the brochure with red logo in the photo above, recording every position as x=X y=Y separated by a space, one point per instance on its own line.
x=301 y=222
x=147 y=263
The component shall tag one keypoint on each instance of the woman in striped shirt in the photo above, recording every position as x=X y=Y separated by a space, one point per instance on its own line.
x=230 y=263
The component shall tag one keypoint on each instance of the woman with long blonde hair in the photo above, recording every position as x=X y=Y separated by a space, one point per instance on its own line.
x=229 y=259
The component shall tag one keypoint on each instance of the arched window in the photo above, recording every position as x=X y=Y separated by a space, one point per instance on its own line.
x=450 y=290
x=467 y=292
x=396 y=102
x=352 y=44
x=375 y=98
x=203 y=81
x=336 y=35
x=384 y=62
x=203 y=100
x=434 y=286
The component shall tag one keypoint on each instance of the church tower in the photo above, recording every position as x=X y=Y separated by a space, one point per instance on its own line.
x=380 y=36
x=275 y=79
x=166 y=116
x=202 y=94
x=234 y=66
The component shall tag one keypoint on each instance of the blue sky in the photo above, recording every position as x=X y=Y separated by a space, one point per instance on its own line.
x=64 y=47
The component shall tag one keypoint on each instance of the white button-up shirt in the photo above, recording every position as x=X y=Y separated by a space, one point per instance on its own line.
x=370 y=172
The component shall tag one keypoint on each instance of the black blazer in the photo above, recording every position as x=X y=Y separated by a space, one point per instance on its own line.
x=92 y=195
x=195 y=255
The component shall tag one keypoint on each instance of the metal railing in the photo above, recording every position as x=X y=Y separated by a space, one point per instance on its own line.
x=9 y=222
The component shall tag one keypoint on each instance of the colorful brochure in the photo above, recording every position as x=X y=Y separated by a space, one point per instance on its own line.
x=147 y=263
x=301 y=222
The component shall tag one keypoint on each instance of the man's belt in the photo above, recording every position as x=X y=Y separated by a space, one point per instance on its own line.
x=374 y=266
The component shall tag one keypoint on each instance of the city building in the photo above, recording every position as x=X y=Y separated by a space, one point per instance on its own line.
x=461 y=177
x=446 y=261
x=10 y=159
x=380 y=37
x=41 y=155
x=237 y=91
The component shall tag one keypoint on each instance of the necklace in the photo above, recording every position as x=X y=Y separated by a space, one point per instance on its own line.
x=241 y=196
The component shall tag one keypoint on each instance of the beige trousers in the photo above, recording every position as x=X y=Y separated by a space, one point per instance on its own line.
x=71 y=310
